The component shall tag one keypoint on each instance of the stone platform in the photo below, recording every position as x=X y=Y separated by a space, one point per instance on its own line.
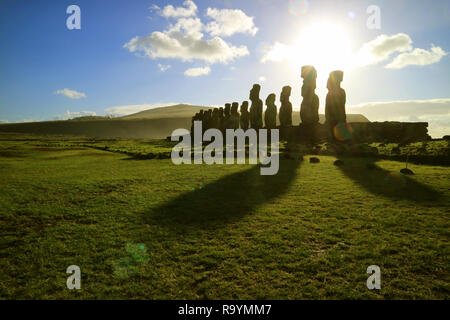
x=362 y=132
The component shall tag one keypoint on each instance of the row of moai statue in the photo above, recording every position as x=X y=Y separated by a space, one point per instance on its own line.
x=230 y=118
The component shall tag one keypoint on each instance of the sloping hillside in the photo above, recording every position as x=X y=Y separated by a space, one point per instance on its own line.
x=149 y=124
x=176 y=111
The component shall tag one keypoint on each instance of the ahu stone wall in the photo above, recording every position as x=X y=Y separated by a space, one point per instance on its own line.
x=361 y=132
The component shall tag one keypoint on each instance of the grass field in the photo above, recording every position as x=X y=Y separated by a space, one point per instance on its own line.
x=147 y=229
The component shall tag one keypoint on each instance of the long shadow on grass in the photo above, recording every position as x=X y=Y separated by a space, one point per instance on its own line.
x=376 y=180
x=225 y=200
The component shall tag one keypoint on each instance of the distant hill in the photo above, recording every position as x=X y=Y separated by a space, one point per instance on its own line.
x=176 y=111
x=187 y=111
x=149 y=124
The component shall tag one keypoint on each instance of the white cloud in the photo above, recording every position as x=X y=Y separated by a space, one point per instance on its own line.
x=187 y=46
x=382 y=47
x=417 y=57
x=373 y=52
x=196 y=72
x=4 y=121
x=190 y=26
x=262 y=79
x=130 y=109
x=229 y=21
x=169 y=11
x=70 y=115
x=277 y=53
x=434 y=111
x=164 y=67
x=185 y=38
x=71 y=94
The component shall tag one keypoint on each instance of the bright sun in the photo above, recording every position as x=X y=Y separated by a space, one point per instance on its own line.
x=325 y=46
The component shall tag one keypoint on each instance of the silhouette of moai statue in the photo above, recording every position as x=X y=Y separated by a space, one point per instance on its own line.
x=227 y=116
x=270 y=116
x=245 y=116
x=309 y=110
x=207 y=120
x=194 y=118
x=286 y=107
x=221 y=120
x=234 y=115
x=215 y=119
x=335 y=101
x=256 y=108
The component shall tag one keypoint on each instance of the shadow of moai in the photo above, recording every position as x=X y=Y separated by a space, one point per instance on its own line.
x=376 y=180
x=223 y=201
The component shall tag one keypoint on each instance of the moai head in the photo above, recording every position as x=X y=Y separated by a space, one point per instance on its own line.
x=244 y=106
x=335 y=79
x=285 y=94
x=309 y=75
x=234 y=107
x=221 y=112
x=270 y=99
x=227 y=110
x=215 y=113
x=254 y=93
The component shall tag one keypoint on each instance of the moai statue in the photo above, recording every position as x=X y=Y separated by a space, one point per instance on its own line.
x=234 y=115
x=309 y=110
x=227 y=115
x=335 y=101
x=207 y=120
x=245 y=116
x=215 y=119
x=270 y=116
x=194 y=118
x=221 y=120
x=286 y=107
x=256 y=108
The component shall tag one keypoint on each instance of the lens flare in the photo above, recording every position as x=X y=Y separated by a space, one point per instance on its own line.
x=298 y=7
x=343 y=131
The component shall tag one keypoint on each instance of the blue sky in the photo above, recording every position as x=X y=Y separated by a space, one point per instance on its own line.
x=41 y=57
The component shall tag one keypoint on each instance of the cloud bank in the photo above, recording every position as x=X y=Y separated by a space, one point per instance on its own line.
x=189 y=39
x=378 y=50
x=418 y=57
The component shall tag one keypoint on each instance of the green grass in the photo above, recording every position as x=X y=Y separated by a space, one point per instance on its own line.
x=153 y=230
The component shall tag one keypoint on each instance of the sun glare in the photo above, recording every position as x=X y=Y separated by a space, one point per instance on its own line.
x=326 y=47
